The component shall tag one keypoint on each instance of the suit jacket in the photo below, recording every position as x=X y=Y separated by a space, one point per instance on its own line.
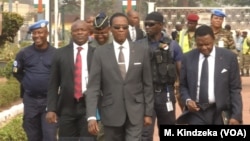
x=227 y=82
x=174 y=34
x=61 y=87
x=139 y=34
x=131 y=97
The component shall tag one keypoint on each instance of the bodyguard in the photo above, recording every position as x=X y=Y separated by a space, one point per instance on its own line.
x=223 y=38
x=32 y=69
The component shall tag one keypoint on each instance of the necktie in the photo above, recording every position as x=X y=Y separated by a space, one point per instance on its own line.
x=78 y=75
x=121 y=63
x=203 y=96
x=133 y=34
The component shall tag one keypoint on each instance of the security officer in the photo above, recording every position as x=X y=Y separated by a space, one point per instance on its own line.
x=32 y=69
x=245 y=54
x=101 y=31
x=165 y=54
x=186 y=36
x=102 y=36
x=223 y=38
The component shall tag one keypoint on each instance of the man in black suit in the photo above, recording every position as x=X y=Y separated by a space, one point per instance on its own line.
x=175 y=34
x=135 y=32
x=207 y=102
x=121 y=71
x=62 y=101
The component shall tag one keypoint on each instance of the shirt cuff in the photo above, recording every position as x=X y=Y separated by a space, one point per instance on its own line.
x=91 y=118
x=187 y=101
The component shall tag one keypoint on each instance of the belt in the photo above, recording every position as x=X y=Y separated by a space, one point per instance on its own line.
x=81 y=100
x=38 y=96
x=205 y=106
x=161 y=88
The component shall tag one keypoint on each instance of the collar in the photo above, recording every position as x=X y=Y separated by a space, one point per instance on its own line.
x=125 y=44
x=84 y=46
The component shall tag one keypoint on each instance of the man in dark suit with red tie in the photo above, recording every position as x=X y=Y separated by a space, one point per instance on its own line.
x=207 y=100
x=68 y=83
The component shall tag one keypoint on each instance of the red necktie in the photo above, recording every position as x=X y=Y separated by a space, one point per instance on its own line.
x=78 y=75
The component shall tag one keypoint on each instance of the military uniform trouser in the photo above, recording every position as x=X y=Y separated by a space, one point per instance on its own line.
x=161 y=113
x=34 y=123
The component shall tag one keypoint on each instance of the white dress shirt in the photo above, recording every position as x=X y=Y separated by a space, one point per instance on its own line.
x=125 y=51
x=132 y=32
x=83 y=53
x=211 y=66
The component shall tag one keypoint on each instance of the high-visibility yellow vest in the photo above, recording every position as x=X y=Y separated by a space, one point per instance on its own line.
x=183 y=41
x=245 y=47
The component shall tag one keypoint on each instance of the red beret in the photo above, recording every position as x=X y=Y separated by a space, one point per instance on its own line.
x=193 y=17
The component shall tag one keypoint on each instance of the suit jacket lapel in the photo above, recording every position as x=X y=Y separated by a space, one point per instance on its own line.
x=218 y=66
x=131 y=58
x=113 y=60
x=70 y=58
x=89 y=56
x=195 y=67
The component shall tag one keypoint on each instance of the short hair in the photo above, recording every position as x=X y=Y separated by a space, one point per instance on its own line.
x=204 y=30
x=118 y=14
x=227 y=27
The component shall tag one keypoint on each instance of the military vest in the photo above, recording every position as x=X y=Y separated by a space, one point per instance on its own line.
x=163 y=65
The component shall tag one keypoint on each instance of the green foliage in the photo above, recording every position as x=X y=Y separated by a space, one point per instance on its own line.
x=92 y=7
x=13 y=131
x=7 y=56
x=10 y=26
x=9 y=92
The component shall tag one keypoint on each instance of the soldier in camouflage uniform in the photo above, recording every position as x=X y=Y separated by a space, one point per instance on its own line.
x=223 y=38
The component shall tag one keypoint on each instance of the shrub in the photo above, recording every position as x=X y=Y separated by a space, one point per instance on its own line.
x=13 y=131
x=9 y=92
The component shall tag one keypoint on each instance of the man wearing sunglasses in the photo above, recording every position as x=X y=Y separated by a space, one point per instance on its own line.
x=161 y=47
x=121 y=71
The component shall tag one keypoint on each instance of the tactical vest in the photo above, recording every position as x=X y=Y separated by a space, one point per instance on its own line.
x=163 y=66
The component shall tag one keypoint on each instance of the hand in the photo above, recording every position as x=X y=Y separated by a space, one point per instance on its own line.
x=147 y=120
x=51 y=117
x=233 y=121
x=192 y=107
x=93 y=127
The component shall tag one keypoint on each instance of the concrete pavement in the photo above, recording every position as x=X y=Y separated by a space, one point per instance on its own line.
x=246 y=105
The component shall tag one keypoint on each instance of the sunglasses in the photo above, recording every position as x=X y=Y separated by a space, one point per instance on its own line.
x=150 y=24
x=119 y=27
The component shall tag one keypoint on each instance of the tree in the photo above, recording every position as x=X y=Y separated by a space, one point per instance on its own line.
x=10 y=26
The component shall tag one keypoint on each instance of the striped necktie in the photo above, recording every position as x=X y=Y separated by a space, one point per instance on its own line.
x=78 y=75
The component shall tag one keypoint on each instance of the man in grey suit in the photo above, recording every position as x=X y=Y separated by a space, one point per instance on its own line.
x=126 y=85
x=62 y=101
x=222 y=92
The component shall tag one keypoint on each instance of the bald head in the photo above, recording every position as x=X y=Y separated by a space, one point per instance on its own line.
x=133 y=18
x=80 y=32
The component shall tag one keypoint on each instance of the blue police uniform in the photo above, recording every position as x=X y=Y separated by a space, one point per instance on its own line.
x=161 y=96
x=32 y=69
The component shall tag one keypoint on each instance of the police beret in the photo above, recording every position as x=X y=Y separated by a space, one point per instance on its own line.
x=38 y=24
x=193 y=17
x=100 y=21
x=155 y=16
x=218 y=12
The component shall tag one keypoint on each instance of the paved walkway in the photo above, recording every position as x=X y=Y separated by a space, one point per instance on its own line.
x=246 y=104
